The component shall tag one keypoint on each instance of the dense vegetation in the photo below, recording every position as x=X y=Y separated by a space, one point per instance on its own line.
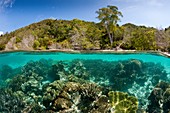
x=78 y=34
x=83 y=35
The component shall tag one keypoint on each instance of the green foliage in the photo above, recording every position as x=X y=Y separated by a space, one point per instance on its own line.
x=79 y=34
x=18 y=40
x=2 y=46
x=122 y=102
x=36 y=44
x=139 y=38
x=65 y=44
x=143 y=40
x=109 y=17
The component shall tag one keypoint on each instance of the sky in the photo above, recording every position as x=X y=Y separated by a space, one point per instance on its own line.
x=15 y=14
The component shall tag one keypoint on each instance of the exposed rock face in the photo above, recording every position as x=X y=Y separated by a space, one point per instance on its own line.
x=25 y=44
x=10 y=44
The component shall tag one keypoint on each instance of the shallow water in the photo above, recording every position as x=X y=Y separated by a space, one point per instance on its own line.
x=16 y=59
x=137 y=74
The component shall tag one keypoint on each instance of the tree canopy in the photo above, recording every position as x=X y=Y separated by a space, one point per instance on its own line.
x=109 y=17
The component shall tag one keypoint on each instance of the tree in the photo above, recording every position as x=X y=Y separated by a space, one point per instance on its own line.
x=109 y=17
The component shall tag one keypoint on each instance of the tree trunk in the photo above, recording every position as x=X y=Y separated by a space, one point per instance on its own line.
x=110 y=36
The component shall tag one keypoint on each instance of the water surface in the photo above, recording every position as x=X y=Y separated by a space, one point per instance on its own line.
x=16 y=59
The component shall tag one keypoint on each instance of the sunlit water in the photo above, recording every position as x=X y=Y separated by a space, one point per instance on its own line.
x=121 y=72
x=17 y=59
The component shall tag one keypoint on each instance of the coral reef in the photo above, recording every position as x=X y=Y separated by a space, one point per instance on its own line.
x=160 y=98
x=77 y=69
x=88 y=97
x=133 y=76
x=122 y=74
x=88 y=86
x=40 y=67
x=122 y=102
x=10 y=102
x=70 y=96
x=142 y=92
x=7 y=73
x=58 y=71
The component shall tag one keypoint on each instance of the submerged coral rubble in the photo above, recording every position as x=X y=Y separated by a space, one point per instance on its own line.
x=84 y=86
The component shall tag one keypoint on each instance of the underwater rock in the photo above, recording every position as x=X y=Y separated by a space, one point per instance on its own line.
x=122 y=102
x=99 y=70
x=159 y=99
x=125 y=73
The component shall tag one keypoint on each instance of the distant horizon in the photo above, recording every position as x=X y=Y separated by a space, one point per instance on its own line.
x=16 y=14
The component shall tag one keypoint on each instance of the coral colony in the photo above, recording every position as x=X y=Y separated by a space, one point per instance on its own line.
x=84 y=86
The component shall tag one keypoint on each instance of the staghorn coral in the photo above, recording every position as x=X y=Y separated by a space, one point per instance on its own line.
x=122 y=102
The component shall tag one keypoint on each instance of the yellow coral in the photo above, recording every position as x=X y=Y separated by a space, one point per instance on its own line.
x=122 y=103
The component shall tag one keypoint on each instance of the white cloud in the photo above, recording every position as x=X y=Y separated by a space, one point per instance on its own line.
x=155 y=2
x=1 y=33
x=5 y=4
x=144 y=12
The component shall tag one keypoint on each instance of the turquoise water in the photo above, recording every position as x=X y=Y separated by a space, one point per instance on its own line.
x=60 y=82
x=17 y=59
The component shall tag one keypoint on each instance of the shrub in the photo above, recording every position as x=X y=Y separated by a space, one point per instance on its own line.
x=36 y=44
